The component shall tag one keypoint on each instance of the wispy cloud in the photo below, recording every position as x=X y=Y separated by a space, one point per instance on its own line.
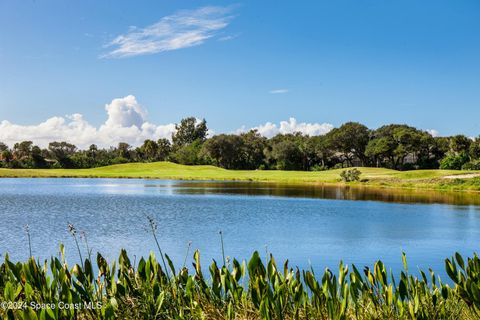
x=278 y=91
x=183 y=29
x=229 y=37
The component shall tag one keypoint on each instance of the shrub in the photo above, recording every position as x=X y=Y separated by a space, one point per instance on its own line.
x=119 y=160
x=189 y=154
x=472 y=165
x=454 y=161
x=340 y=166
x=350 y=175
x=319 y=167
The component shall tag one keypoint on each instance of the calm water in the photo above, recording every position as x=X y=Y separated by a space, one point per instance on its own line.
x=308 y=225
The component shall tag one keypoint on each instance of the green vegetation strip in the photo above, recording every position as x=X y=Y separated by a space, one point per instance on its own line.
x=257 y=289
x=417 y=179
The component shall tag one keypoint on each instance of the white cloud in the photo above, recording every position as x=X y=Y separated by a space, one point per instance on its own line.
x=229 y=37
x=186 y=28
x=270 y=129
x=278 y=91
x=125 y=123
x=125 y=112
x=433 y=132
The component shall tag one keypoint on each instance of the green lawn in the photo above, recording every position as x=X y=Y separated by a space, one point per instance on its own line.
x=430 y=179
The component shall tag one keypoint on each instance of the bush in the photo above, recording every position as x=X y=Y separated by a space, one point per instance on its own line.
x=319 y=167
x=340 y=166
x=472 y=165
x=350 y=175
x=454 y=161
x=189 y=154
x=119 y=160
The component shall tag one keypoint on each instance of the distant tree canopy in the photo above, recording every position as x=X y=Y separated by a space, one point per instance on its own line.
x=396 y=146
x=390 y=146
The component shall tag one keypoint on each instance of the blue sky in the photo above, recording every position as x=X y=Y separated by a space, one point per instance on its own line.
x=244 y=63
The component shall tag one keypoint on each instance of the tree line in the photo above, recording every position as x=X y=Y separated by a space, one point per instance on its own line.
x=395 y=146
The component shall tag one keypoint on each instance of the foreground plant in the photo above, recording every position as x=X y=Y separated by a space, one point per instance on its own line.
x=247 y=290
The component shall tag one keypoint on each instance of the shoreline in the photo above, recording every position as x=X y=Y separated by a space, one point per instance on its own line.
x=374 y=178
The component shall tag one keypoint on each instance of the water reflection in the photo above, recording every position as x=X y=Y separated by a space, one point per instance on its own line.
x=321 y=191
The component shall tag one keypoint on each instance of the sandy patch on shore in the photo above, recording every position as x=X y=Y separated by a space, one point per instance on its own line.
x=463 y=176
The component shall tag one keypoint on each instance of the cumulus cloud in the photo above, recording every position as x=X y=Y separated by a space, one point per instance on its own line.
x=270 y=129
x=125 y=112
x=186 y=28
x=126 y=122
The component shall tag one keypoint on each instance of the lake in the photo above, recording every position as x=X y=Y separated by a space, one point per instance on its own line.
x=309 y=225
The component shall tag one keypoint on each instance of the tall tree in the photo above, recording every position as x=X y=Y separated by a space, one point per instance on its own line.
x=37 y=158
x=253 y=148
x=284 y=152
x=62 y=153
x=124 y=150
x=149 y=150
x=92 y=155
x=22 y=150
x=380 y=149
x=474 y=150
x=351 y=139
x=460 y=144
x=322 y=151
x=225 y=150
x=188 y=131
x=390 y=145
x=3 y=147
x=5 y=155
x=164 y=149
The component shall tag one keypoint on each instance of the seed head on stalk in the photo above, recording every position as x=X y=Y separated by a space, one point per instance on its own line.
x=223 y=248
x=186 y=255
x=27 y=231
x=83 y=236
x=153 y=229
x=73 y=232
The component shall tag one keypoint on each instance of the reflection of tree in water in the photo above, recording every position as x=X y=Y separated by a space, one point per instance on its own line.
x=328 y=192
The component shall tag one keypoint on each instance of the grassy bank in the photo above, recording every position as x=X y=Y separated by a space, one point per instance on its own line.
x=418 y=179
